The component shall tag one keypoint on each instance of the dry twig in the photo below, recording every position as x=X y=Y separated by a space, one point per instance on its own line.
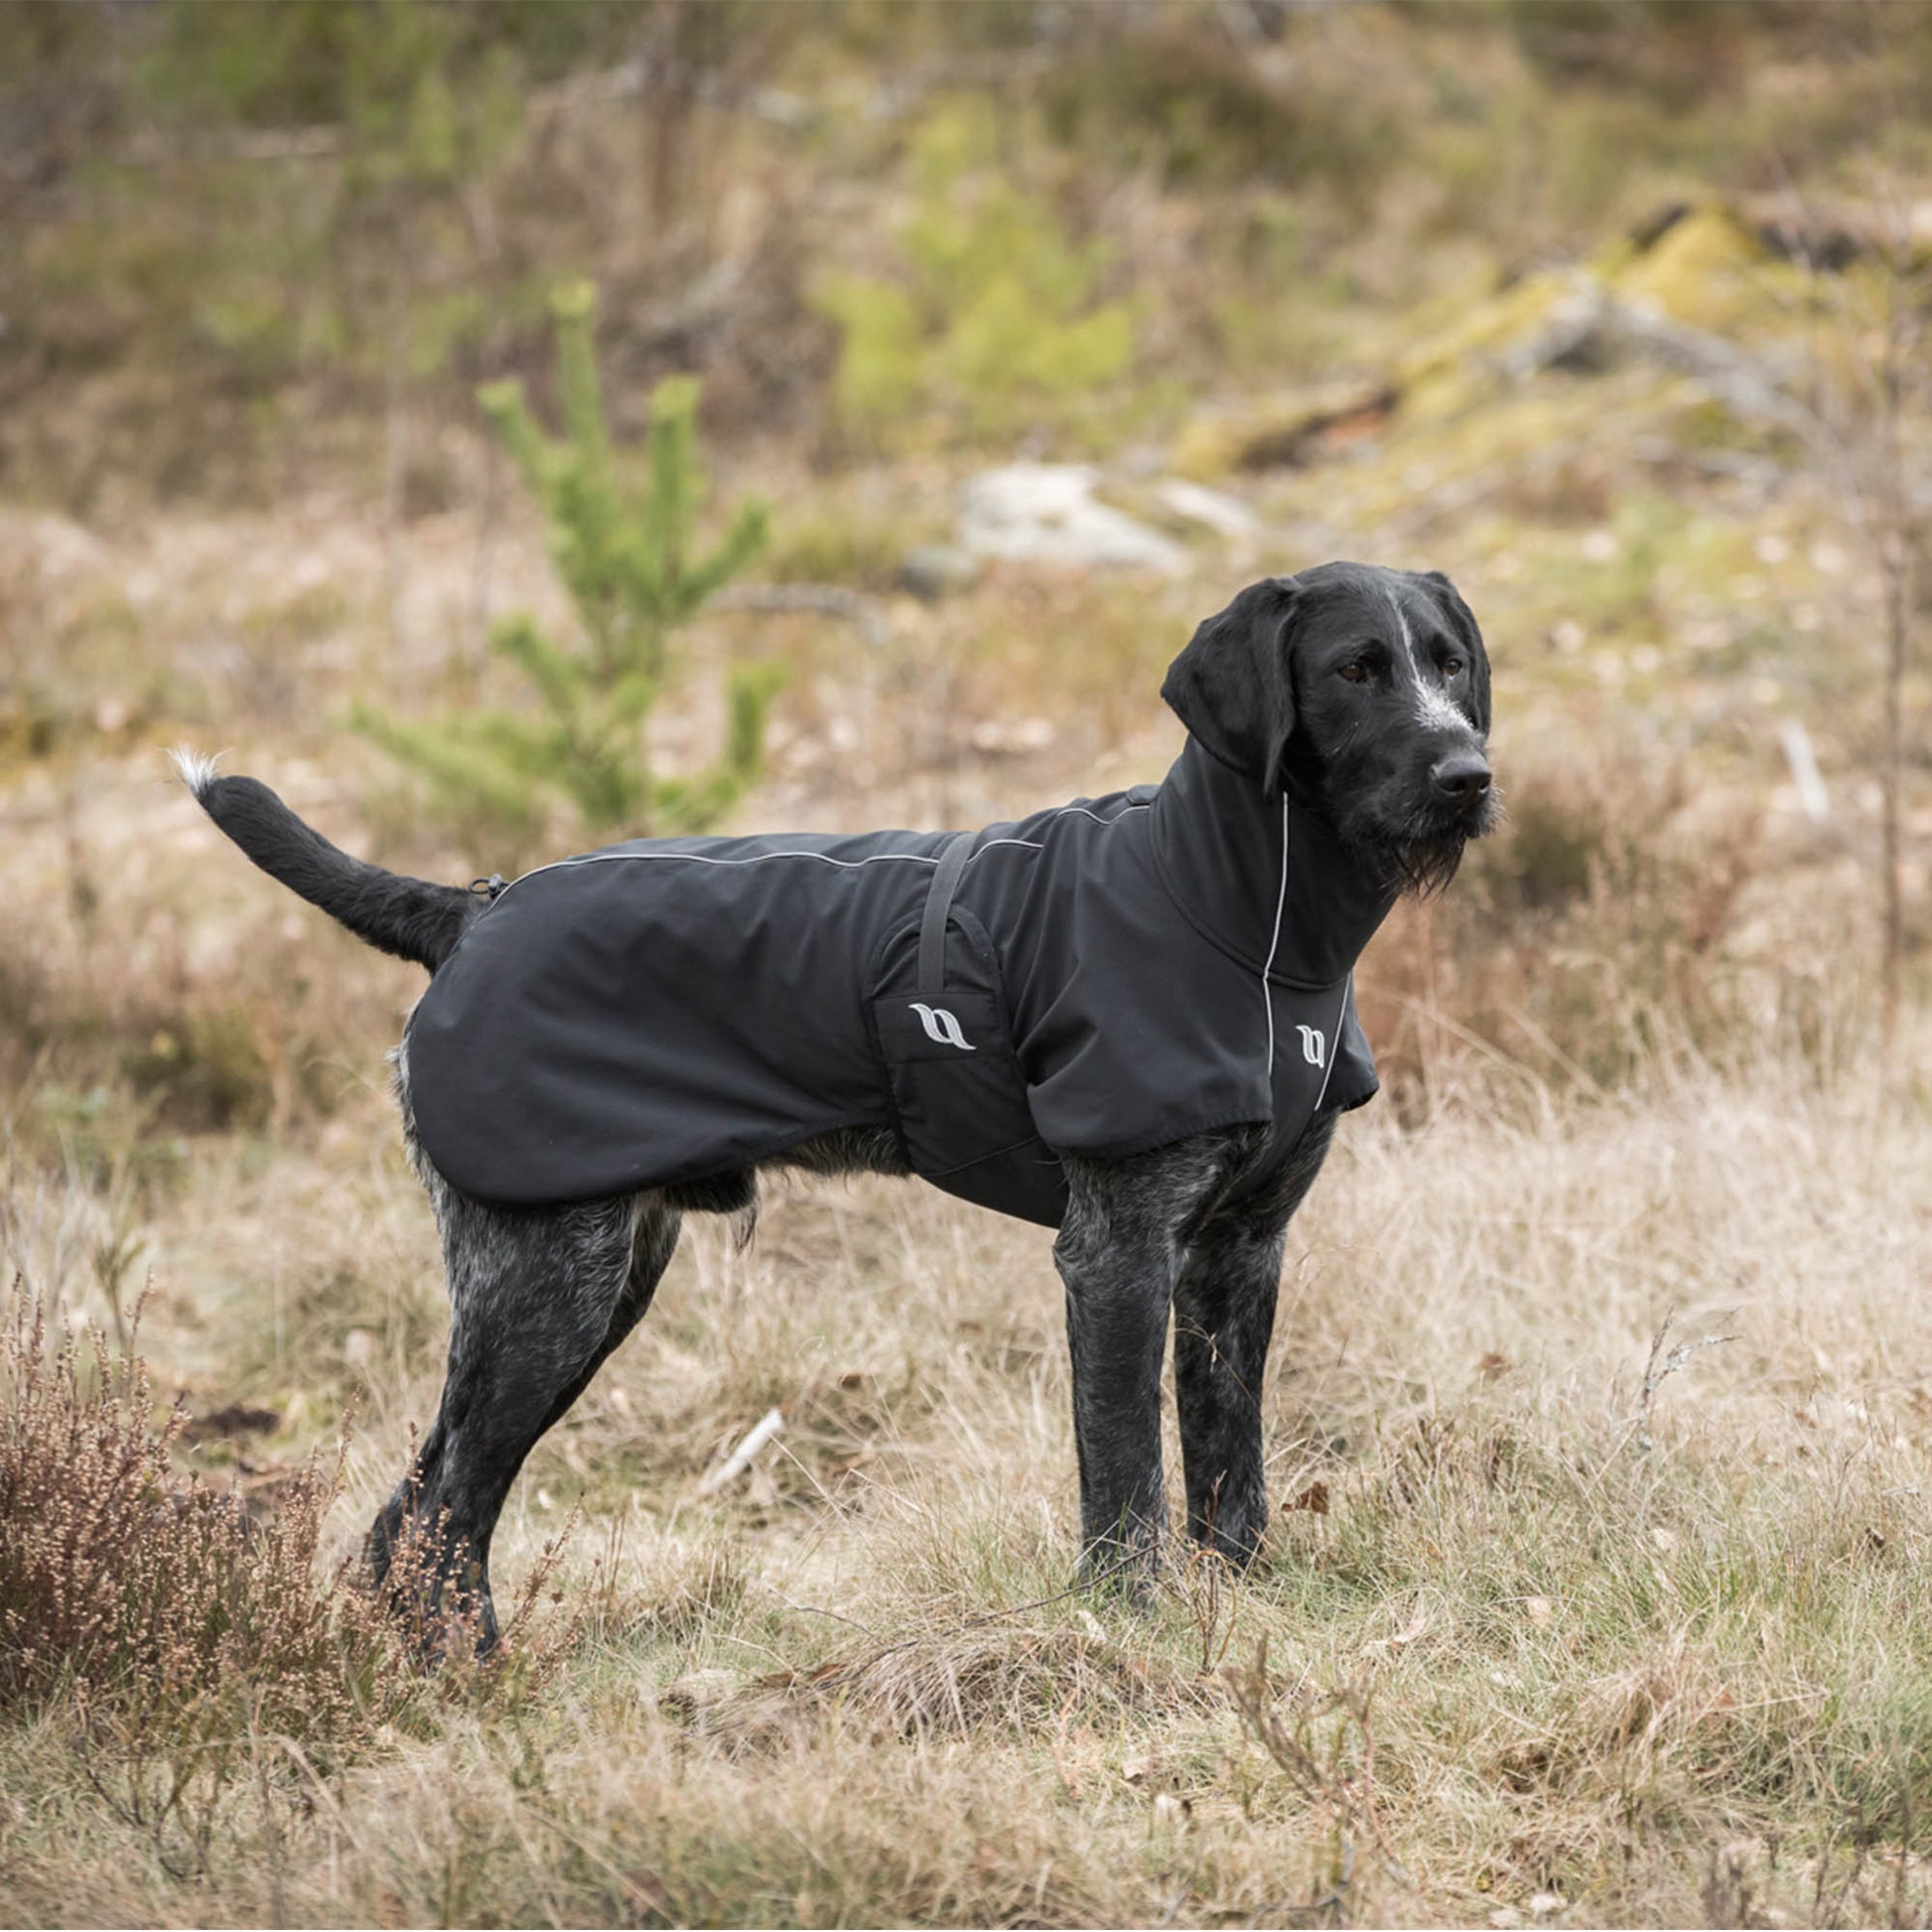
x=1654 y=1370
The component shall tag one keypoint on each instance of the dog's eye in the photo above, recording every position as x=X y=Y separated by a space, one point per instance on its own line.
x=1451 y=667
x=1355 y=672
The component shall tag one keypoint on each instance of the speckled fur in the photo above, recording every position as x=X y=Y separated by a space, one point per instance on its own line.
x=540 y=1296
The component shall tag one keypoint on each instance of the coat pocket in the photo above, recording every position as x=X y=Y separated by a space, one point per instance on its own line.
x=957 y=1087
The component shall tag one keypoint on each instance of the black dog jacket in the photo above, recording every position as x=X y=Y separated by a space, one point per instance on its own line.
x=1098 y=980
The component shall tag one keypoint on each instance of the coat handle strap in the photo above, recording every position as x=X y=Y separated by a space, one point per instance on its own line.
x=938 y=909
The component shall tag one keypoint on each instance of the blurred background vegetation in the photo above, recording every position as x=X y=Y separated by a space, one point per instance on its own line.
x=1613 y=310
x=947 y=361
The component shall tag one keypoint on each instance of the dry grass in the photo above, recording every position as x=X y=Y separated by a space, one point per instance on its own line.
x=1549 y=1636
x=1520 y=1665
x=1517 y=1664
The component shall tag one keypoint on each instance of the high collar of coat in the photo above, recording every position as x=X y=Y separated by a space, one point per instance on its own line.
x=1261 y=876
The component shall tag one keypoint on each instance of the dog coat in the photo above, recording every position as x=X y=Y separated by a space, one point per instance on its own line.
x=1099 y=979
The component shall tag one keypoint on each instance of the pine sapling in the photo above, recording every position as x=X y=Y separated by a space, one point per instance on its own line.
x=629 y=557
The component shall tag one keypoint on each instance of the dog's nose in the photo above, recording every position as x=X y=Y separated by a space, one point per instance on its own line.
x=1463 y=777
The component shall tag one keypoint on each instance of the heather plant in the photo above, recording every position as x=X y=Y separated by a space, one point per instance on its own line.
x=147 y=1591
x=636 y=573
x=169 y=1609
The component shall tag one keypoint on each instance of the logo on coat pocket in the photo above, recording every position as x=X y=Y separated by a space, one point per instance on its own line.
x=1314 y=1048
x=942 y=1026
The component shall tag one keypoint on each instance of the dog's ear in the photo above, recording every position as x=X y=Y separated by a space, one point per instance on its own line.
x=1462 y=621
x=1231 y=686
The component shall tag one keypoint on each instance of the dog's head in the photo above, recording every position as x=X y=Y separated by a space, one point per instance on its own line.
x=1366 y=693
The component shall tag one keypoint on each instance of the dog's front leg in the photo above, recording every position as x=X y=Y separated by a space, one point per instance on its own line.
x=1119 y=1253
x=1224 y=1317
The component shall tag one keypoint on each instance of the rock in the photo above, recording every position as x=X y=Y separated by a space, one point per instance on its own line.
x=1013 y=738
x=700 y=1691
x=935 y=569
x=1225 y=515
x=1047 y=512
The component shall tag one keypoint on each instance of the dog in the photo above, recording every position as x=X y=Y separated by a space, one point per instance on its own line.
x=1131 y=1019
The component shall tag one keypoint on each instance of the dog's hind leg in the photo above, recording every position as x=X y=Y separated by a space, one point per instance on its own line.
x=539 y=1298
x=1224 y=1317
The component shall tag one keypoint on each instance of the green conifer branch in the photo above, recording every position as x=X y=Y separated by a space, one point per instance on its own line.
x=508 y=409
x=749 y=698
x=459 y=769
x=559 y=676
x=740 y=544
x=629 y=700
x=625 y=557
x=534 y=752
x=673 y=479
x=575 y=308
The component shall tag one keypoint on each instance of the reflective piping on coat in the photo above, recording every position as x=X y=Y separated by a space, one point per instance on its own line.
x=1334 y=1045
x=1274 y=945
x=1033 y=845
x=823 y=858
x=704 y=858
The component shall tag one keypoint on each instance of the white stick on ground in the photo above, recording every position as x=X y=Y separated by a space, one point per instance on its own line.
x=740 y=1458
x=1805 y=775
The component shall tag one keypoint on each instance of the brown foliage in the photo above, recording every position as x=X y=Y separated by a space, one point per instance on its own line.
x=162 y=1603
x=144 y=1589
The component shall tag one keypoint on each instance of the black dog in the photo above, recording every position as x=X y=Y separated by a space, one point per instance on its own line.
x=1133 y=1021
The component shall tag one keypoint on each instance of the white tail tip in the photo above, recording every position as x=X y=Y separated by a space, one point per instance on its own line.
x=194 y=772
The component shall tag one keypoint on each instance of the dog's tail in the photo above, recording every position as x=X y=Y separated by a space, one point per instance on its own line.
x=409 y=917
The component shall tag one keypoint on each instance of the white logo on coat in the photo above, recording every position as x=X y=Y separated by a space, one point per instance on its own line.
x=1314 y=1048
x=942 y=1026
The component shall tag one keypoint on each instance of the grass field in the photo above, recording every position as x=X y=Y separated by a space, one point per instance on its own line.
x=1546 y=1630
x=1600 y=1403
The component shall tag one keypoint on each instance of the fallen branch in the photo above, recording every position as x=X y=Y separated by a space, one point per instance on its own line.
x=1805 y=776
x=824 y=600
x=740 y=1458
